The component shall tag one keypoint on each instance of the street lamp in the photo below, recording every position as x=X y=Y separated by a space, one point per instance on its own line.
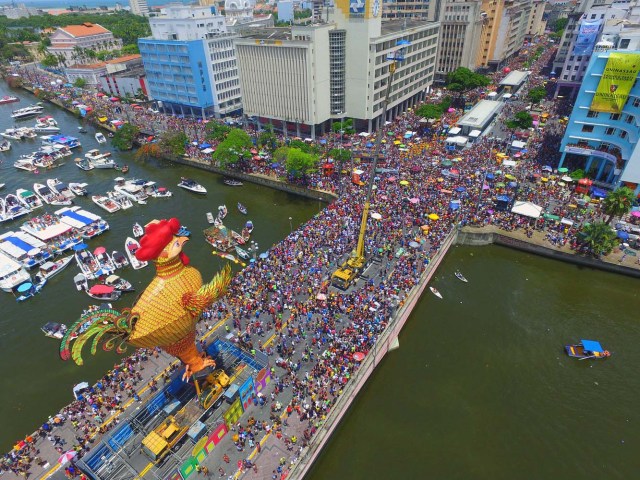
x=290 y=225
x=254 y=249
x=319 y=206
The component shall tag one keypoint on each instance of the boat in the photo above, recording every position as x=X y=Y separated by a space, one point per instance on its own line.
x=100 y=138
x=587 y=349
x=54 y=330
x=26 y=112
x=222 y=212
x=82 y=130
x=12 y=273
x=249 y=227
x=123 y=202
x=80 y=282
x=192 y=186
x=60 y=188
x=435 y=292
x=89 y=267
x=232 y=183
x=25 y=248
x=138 y=231
x=13 y=207
x=79 y=189
x=8 y=99
x=13 y=134
x=27 y=133
x=242 y=209
x=49 y=197
x=2 y=185
x=105 y=203
x=5 y=146
x=460 y=277
x=84 y=164
x=119 y=283
x=28 y=290
x=132 y=191
x=28 y=199
x=119 y=260
x=45 y=128
x=183 y=232
x=64 y=140
x=159 y=192
x=104 y=260
x=50 y=269
x=100 y=160
x=239 y=239
x=123 y=169
x=25 y=164
x=242 y=253
x=131 y=246
x=47 y=120
x=210 y=218
x=101 y=291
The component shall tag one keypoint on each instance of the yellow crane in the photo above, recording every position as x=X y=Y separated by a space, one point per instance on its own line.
x=348 y=272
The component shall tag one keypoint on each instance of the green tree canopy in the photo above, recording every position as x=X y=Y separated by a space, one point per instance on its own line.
x=299 y=163
x=537 y=94
x=50 y=61
x=79 y=82
x=340 y=155
x=599 y=237
x=280 y=155
x=522 y=120
x=233 y=148
x=216 y=130
x=174 y=143
x=124 y=137
x=347 y=126
x=618 y=203
x=462 y=80
x=267 y=138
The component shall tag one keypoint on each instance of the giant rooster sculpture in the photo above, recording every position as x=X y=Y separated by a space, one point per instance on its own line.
x=166 y=313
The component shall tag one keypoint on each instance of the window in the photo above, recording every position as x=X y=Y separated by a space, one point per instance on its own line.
x=622 y=134
x=636 y=102
x=614 y=116
x=624 y=43
x=592 y=114
x=610 y=131
x=587 y=128
x=630 y=119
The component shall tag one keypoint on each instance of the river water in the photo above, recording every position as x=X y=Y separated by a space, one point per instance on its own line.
x=35 y=382
x=481 y=388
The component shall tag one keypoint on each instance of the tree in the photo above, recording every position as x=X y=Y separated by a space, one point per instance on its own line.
x=124 y=137
x=618 y=203
x=299 y=163
x=522 y=120
x=79 y=82
x=50 y=60
x=346 y=127
x=130 y=49
x=174 y=143
x=280 y=155
x=233 y=148
x=577 y=174
x=462 y=80
x=267 y=138
x=537 y=94
x=216 y=130
x=148 y=150
x=599 y=238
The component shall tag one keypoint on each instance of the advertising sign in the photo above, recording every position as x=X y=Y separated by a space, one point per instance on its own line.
x=587 y=36
x=617 y=80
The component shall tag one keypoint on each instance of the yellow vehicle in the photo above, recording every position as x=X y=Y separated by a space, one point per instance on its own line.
x=160 y=441
x=214 y=385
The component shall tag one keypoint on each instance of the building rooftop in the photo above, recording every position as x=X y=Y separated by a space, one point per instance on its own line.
x=515 y=78
x=136 y=71
x=90 y=66
x=85 y=30
x=273 y=33
x=394 y=26
x=478 y=115
x=125 y=58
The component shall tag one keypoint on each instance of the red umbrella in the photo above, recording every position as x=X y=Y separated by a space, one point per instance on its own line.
x=358 y=356
x=66 y=457
x=99 y=250
x=101 y=289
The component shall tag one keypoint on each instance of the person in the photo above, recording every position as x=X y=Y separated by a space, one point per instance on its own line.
x=225 y=457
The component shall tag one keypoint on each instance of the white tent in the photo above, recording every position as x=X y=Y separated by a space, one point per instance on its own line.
x=364 y=134
x=508 y=163
x=492 y=95
x=455 y=131
x=517 y=144
x=474 y=133
x=527 y=209
x=459 y=141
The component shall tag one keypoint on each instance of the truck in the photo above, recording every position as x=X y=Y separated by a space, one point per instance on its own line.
x=209 y=388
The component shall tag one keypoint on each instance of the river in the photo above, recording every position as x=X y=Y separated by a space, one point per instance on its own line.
x=481 y=388
x=35 y=382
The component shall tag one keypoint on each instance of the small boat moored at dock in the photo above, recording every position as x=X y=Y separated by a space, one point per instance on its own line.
x=587 y=349
x=232 y=183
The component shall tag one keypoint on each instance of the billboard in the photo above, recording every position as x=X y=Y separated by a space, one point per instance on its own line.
x=587 y=36
x=617 y=80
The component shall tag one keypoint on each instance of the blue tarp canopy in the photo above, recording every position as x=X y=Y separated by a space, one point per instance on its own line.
x=503 y=198
x=454 y=204
x=323 y=141
x=77 y=217
x=489 y=176
x=597 y=192
x=622 y=235
x=22 y=245
x=204 y=145
x=592 y=346
x=80 y=246
x=461 y=189
x=25 y=287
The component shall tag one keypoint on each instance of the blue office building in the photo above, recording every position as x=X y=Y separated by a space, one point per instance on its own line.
x=605 y=143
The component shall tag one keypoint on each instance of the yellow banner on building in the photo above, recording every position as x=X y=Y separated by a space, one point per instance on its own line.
x=617 y=80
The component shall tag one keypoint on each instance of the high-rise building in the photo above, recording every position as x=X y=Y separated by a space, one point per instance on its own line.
x=414 y=9
x=191 y=63
x=604 y=128
x=139 y=7
x=537 y=23
x=309 y=76
x=460 y=30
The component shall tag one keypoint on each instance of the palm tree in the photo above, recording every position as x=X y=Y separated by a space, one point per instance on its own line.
x=618 y=203
x=599 y=237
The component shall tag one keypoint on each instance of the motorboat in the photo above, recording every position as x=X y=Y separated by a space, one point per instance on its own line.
x=54 y=330
x=123 y=201
x=51 y=268
x=79 y=189
x=119 y=283
x=13 y=207
x=242 y=253
x=119 y=260
x=60 y=188
x=248 y=227
x=105 y=203
x=82 y=130
x=242 y=209
x=435 y=292
x=24 y=248
x=64 y=140
x=2 y=185
x=101 y=291
x=158 y=192
x=5 y=146
x=12 y=273
x=131 y=247
x=132 y=191
x=100 y=138
x=47 y=120
x=45 y=128
x=25 y=164
x=49 y=197
x=8 y=99
x=232 y=183
x=100 y=160
x=460 y=277
x=104 y=260
x=183 y=232
x=222 y=212
x=192 y=186
x=587 y=349
x=80 y=281
x=28 y=290
x=88 y=264
x=84 y=164
x=13 y=134
x=138 y=231
x=26 y=112
x=28 y=133
x=210 y=218
x=28 y=199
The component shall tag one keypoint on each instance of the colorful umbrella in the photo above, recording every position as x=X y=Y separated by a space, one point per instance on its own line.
x=434 y=216
x=66 y=457
x=376 y=216
x=563 y=170
x=404 y=182
x=358 y=356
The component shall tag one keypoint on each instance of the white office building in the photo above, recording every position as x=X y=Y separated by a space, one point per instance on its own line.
x=139 y=7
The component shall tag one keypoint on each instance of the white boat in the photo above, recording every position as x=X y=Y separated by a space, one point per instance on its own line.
x=242 y=253
x=131 y=245
x=460 y=277
x=210 y=218
x=158 y=192
x=47 y=120
x=28 y=290
x=104 y=260
x=28 y=199
x=44 y=128
x=119 y=283
x=2 y=185
x=81 y=282
x=84 y=164
x=138 y=231
x=54 y=330
x=105 y=203
x=119 y=260
x=25 y=164
x=78 y=189
x=88 y=264
x=192 y=186
x=222 y=212
x=26 y=112
x=12 y=273
x=100 y=160
x=100 y=138
x=24 y=248
x=49 y=197
x=5 y=146
x=27 y=133
x=13 y=134
x=242 y=209
x=60 y=188
x=435 y=292
x=50 y=269
x=132 y=191
x=13 y=207
x=123 y=202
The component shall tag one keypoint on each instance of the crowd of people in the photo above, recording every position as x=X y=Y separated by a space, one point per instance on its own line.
x=427 y=191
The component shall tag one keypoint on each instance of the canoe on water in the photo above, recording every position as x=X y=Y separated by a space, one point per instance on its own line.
x=460 y=277
x=435 y=292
